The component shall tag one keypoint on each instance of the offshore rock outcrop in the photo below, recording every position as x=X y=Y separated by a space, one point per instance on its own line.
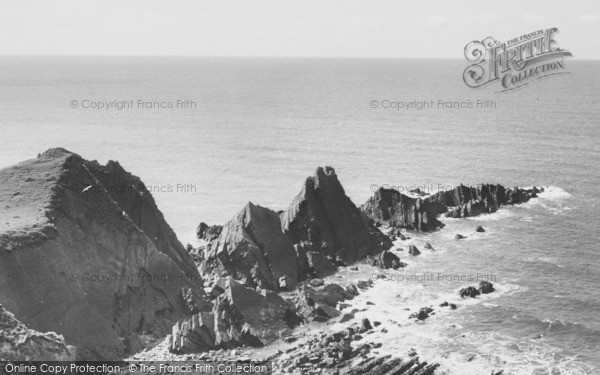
x=75 y=259
x=468 y=201
x=396 y=210
x=392 y=208
x=322 y=218
x=19 y=343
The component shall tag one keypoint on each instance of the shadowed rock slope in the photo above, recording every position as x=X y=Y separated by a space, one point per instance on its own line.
x=323 y=219
x=75 y=259
x=390 y=207
x=253 y=249
x=19 y=343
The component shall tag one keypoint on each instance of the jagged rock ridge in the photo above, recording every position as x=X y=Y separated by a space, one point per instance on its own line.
x=324 y=219
x=320 y=230
x=390 y=207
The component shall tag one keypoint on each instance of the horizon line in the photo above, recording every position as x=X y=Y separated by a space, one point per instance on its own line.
x=254 y=56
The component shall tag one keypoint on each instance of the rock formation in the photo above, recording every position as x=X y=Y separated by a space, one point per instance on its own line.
x=253 y=249
x=130 y=194
x=387 y=259
x=347 y=352
x=243 y=316
x=467 y=201
x=208 y=232
x=392 y=208
x=326 y=221
x=240 y=316
x=75 y=258
x=321 y=230
x=19 y=343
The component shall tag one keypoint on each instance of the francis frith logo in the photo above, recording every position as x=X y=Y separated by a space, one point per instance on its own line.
x=516 y=62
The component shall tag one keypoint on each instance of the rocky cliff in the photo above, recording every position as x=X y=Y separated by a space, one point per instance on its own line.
x=253 y=249
x=324 y=220
x=74 y=261
x=390 y=207
x=320 y=230
x=19 y=343
x=133 y=197
x=466 y=201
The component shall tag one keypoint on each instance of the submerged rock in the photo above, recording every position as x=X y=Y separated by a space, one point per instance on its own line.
x=423 y=313
x=479 y=229
x=485 y=287
x=470 y=291
x=459 y=237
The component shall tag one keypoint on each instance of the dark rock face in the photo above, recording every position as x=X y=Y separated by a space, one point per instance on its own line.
x=73 y=231
x=253 y=249
x=133 y=197
x=470 y=291
x=19 y=343
x=412 y=250
x=320 y=304
x=208 y=233
x=486 y=198
x=388 y=259
x=485 y=287
x=451 y=305
x=319 y=265
x=324 y=217
x=423 y=313
x=390 y=207
x=240 y=316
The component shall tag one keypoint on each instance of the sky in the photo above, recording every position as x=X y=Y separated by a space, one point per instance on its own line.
x=306 y=28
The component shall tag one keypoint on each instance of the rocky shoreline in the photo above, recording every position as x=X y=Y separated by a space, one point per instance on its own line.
x=253 y=283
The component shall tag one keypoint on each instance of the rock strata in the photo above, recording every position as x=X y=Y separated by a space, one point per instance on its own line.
x=341 y=353
x=19 y=343
x=467 y=201
x=392 y=208
x=253 y=249
x=81 y=263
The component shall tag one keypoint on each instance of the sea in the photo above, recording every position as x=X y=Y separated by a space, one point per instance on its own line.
x=207 y=135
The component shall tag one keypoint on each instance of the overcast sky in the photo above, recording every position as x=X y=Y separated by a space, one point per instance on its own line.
x=344 y=28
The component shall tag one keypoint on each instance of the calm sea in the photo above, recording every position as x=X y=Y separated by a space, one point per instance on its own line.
x=253 y=129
